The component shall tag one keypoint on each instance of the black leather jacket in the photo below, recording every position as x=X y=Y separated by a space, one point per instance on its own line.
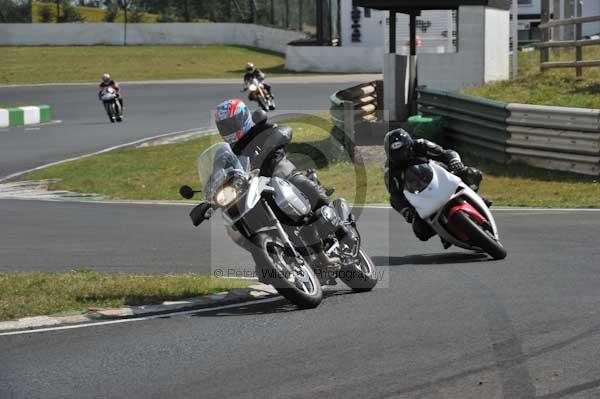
x=423 y=150
x=257 y=73
x=265 y=146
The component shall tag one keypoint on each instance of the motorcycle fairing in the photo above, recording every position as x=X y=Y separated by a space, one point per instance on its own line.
x=441 y=188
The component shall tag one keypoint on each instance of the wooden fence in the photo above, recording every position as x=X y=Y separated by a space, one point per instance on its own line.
x=579 y=42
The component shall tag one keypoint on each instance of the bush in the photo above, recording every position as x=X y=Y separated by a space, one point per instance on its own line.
x=46 y=14
x=110 y=15
x=136 y=16
x=70 y=14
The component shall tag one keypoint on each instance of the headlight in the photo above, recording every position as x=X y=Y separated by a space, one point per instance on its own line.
x=226 y=196
x=253 y=87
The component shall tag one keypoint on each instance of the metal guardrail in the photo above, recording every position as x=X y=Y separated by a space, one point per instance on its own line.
x=548 y=137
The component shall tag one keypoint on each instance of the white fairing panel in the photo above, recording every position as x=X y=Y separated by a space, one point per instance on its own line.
x=438 y=192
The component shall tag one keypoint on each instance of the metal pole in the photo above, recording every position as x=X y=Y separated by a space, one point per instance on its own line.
x=392 y=33
x=515 y=38
x=412 y=82
x=300 y=15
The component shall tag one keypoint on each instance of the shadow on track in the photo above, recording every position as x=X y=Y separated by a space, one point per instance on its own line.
x=281 y=306
x=430 y=259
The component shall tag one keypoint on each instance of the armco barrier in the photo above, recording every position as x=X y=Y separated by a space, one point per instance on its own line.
x=478 y=124
x=548 y=137
x=29 y=115
x=352 y=108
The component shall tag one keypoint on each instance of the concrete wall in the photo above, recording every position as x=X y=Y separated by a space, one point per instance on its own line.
x=334 y=59
x=171 y=33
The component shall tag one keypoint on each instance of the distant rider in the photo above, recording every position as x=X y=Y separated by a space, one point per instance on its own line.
x=264 y=144
x=108 y=82
x=402 y=151
x=253 y=72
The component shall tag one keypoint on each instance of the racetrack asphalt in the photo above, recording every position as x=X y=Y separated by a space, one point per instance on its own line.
x=440 y=325
x=150 y=109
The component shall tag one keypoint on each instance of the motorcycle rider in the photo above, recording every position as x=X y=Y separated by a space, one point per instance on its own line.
x=402 y=151
x=253 y=136
x=254 y=73
x=107 y=82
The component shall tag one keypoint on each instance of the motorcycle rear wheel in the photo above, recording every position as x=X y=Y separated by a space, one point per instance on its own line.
x=479 y=237
x=296 y=282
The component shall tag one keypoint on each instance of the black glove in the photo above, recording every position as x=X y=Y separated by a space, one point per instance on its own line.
x=408 y=213
x=201 y=213
x=456 y=166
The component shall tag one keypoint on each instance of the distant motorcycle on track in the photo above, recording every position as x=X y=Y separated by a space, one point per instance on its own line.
x=456 y=212
x=265 y=216
x=111 y=103
x=259 y=94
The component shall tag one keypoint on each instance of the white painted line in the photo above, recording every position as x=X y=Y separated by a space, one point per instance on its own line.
x=116 y=147
x=31 y=115
x=180 y=313
x=3 y=118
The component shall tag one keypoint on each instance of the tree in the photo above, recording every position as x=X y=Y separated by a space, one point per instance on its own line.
x=15 y=11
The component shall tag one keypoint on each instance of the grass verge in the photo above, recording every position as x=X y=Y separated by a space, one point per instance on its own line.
x=158 y=172
x=28 y=65
x=558 y=87
x=32 y=294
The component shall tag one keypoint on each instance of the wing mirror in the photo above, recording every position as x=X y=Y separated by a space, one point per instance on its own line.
x=187 y=192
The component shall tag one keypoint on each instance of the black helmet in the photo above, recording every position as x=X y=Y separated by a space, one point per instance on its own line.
x=398 y=146
x=259 y=117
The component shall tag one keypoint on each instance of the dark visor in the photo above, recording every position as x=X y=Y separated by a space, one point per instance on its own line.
x=231 y=125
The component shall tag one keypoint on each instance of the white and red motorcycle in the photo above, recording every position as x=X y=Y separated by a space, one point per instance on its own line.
x=456 y=212
x=111 y=103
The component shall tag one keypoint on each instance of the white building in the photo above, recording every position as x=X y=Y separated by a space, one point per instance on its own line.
x=451 y=55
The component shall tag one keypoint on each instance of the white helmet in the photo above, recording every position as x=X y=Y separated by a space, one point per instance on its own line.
x=249 y=67
x=105 y=77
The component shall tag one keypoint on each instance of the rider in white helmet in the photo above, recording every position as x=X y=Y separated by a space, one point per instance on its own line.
x=108 y=82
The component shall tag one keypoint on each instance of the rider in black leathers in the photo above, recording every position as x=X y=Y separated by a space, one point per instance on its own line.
x=401 y=152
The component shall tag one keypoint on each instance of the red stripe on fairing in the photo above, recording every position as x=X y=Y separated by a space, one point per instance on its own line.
x=470 y=211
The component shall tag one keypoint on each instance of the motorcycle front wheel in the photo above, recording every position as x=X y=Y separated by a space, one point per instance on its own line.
x=361 y=276
x=479 y=237
x=263 y=103
x=291 y=276
x=110 y=111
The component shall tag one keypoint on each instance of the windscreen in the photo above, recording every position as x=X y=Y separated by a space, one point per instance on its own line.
x=215 y=166
x=417 y=178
